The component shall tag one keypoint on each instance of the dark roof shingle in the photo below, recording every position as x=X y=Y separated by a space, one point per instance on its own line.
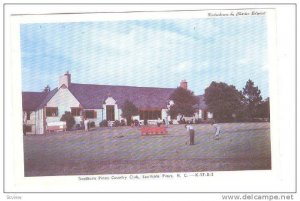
x=47 y=98
x=31 y=100
x=92 y=96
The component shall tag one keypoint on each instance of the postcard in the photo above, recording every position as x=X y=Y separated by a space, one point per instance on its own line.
x=144 y=97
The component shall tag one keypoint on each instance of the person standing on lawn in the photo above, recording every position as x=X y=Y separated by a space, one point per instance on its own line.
x=86 y=124
x=217 y=128
x=191 y=131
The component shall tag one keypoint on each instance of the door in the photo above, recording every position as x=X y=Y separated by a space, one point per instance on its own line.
x=110 y=112
x=205 y=115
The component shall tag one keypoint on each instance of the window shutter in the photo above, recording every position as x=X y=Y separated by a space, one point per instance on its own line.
x=95 y=114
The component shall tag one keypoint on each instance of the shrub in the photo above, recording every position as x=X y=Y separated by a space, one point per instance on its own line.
x=198 y=121
x=117 y=123
x=69 y=119
x=190 y=122
x=182 y=121
x=103 y=123
x=123 y=123
x=78 y=127
x=136 y=123
x=211 y=121
x=92 y=124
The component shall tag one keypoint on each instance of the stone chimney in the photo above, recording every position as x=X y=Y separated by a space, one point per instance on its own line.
x=65 y=80
x=184 y=84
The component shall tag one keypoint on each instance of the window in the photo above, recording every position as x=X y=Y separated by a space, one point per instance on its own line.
x=51 y=111
x=90 y=114
x=150 y=114
x=76 y=111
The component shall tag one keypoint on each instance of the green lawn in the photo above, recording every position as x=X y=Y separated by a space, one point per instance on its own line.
x=122 y=150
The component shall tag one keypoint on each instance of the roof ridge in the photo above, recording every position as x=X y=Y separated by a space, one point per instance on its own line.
x=122 y=86
x=38 y=91
x=32 y=92
x=47 y=97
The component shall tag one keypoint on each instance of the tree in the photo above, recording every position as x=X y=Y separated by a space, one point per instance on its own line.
x=47 y=89
x=224 y=100
x=252 y=98
x=184 y=102
x=263 y=110
x=69 y=119
x=129 y=110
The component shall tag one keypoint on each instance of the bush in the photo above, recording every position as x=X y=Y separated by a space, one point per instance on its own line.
x=117 y=123
x=190 y=122
x=123 y=123
x=136 y=123
x=92 y=124
x=212 y=121
x=78 y=127
x=182 y=121
x=198 y=121
x=103 y=123
x=69 y=119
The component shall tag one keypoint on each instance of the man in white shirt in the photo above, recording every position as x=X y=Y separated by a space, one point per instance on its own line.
x=191 y=131
x=218 y=129
x=86 y=124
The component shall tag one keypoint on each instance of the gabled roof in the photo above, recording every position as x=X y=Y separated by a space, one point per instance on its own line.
x=93 y=96
x=31 y=100
x=47 y=98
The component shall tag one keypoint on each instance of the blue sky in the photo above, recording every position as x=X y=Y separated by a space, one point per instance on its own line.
x=156 y=53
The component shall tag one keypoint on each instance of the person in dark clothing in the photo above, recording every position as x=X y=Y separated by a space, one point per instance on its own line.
x=191 y=131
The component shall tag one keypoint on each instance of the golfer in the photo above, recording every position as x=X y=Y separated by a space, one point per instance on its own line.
x=86 y=124
x=217 y=128
x=191 y=131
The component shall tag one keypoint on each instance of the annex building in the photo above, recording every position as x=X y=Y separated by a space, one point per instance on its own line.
x=98 y=103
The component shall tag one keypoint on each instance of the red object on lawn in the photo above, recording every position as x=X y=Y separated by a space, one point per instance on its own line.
x=55 y=128
x=154 y=130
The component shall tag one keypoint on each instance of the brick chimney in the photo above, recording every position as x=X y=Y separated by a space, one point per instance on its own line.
x=65 y=80
x=184 y=84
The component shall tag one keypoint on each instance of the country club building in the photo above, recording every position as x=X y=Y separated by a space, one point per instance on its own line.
x=98 y=103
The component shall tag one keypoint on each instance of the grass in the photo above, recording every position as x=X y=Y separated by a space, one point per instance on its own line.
x=122 y=150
